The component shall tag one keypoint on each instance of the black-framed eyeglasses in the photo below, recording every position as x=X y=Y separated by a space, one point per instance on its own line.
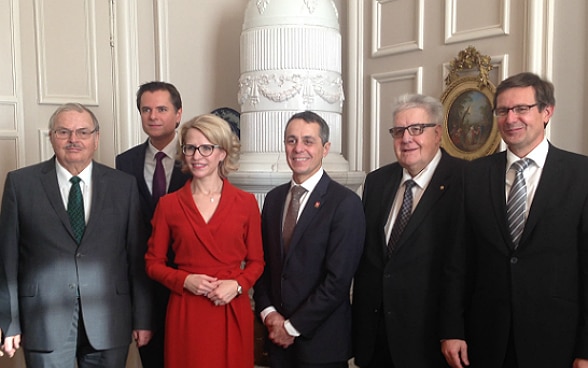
x=204 y=149
x=518 y=109
x=413 y=129
x=64 y=133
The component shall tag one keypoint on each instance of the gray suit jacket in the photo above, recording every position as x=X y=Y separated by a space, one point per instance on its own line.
x=45 y=268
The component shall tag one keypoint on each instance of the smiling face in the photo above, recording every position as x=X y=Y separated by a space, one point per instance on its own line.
x=304 y=149
x=522 y=133
x=415 y=152
x=74 y=153
x=159 y=117
x=200 y=166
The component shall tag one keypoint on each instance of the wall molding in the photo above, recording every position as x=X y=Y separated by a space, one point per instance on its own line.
x=127 y=125
x=15 y=99
x=162 y=71
x=539 y=42
x=376 y=82
x=354 y=85
x=452 y=35
x=378 y=49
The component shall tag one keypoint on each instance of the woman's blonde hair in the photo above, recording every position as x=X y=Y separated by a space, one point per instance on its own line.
x=217 y=131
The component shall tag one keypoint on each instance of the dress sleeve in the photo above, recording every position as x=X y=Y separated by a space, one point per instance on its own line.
x=254 y=262
x=156 y=262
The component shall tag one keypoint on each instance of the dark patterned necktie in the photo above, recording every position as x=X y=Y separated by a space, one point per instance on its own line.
x=403 y=216
x=159 y=188
x=291 y=216
x=75 y=209
x=516 y=207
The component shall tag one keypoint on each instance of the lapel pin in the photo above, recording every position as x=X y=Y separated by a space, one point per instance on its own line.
x=317 y=204
x=442 y=187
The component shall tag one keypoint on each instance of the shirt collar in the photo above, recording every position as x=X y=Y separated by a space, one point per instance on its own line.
x=538 y=155
x=310 y=183
x=423 y=178
x=63 y=175
x=170 y=150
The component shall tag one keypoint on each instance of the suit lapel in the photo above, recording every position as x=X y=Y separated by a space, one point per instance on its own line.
x=497 y=179
x=548 y=184
x=312 y=207
x=387 y=199
x=435 y=190
x=51 y=187
x=99 y=191
x=138 y=166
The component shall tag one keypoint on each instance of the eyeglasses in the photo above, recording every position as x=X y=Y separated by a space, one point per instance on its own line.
x=204 y=149
x=64 y=133
x=518 y=110
x=413 y=129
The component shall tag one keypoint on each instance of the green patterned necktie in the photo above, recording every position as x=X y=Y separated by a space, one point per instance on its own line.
x=75 y=209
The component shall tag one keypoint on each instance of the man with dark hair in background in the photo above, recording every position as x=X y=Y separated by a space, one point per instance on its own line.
x=153 y=163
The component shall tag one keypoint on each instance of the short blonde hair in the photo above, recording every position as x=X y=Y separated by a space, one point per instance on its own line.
x=217 y=131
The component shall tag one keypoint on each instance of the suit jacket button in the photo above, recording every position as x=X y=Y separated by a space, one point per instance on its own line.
x=514 y=260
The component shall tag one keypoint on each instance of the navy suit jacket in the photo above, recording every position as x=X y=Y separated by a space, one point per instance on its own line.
x=310 y=285
x=540 y=289
x=43 y=263
x=405 y=289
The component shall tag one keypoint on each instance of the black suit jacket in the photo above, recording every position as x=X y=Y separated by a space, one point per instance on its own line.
x=405 y=289
x=311 y=284
x=44 y=264
x=539 y=289
x=132 y=162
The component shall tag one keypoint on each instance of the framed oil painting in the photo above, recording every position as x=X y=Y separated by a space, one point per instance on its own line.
x=470 y=130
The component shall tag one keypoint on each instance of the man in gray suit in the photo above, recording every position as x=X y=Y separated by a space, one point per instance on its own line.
x=76 y=282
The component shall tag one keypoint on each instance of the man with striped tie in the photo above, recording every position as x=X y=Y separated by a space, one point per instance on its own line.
x=516 y=291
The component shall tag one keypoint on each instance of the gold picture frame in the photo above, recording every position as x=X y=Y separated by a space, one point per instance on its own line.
x=470 y=129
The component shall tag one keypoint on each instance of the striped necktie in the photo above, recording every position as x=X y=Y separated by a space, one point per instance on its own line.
x=516 y=207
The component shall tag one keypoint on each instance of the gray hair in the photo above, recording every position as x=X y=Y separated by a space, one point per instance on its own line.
x=431 y=105
x=72 y=106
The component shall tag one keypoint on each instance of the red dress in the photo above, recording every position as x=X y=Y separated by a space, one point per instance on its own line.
x=198 y=333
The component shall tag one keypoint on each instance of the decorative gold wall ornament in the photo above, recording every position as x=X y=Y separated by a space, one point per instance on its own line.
x=470 y=129
x=469 y=59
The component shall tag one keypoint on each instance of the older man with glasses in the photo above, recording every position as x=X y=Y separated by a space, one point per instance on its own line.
x=411 y=208
x=72 y=246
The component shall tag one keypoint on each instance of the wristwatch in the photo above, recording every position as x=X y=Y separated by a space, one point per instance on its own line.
x=239 y=290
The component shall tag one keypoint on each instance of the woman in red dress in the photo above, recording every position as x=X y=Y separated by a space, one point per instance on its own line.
x=214 y=230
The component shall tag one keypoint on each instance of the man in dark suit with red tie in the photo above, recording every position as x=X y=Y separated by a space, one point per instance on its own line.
x=303 y=294
x=411 y=208
x=517 y=285
x=160 y=106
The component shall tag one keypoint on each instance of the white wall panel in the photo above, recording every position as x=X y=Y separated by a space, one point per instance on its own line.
x=66 y=43
x=492 y=18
